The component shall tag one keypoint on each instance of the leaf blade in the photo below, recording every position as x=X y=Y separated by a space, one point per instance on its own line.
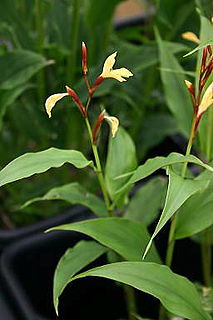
x=73 y=193
x=74 y=259
x=38 y=162
x=175 y=292
x=125 y=237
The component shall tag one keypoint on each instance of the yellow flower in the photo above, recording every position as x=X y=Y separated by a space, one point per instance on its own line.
x=206 y=101
x=190 y=36
x=114 y=123
x=117 y=74
x=51 y=101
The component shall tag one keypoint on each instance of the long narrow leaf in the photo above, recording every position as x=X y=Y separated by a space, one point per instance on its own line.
x=37 y=162
x=74 y=259
x=176 y=293
x=73 y=193
x=127 y=238
x=179 y=190
x=156 y=163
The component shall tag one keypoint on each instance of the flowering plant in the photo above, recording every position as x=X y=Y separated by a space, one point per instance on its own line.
x=136 y=262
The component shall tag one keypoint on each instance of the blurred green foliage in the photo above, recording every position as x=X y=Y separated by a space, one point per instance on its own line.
x=40 y=50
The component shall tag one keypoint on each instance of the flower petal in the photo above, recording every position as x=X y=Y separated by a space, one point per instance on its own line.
x=118 y=74
x=206 y=101
x=108 y=64
x=51 y=101
x=190 y=36
x=114 y=123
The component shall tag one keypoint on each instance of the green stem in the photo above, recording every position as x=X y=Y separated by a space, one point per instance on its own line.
x=171 y=239
x=72 y=58
x=99 y=170
x=39 y=21
x=130 y=301
x=206 y=241
x=206 y=256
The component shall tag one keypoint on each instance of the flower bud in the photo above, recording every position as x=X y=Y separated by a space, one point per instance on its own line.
x=97 y=127
x=84 y=58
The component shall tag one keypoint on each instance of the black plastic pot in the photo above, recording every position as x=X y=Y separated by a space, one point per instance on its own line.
x=9 y=236
x=26 y=274
x=27 y=269
x=5 y=310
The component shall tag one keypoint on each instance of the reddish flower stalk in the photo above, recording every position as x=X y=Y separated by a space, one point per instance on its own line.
x=77 y=101
x=96 y=130
x=200 y=106
x=97 y=82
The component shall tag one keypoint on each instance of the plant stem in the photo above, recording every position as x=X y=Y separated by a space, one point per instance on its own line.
x=206 y=256
x=130 y=301
x=206 y=241
x=171 y=239
x=71 y=63
x=99 y=170
x=40 y=42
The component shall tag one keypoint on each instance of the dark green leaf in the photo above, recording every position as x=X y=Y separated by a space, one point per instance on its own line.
x=7 y=97
x=18 y=67
x=145 y=205
x=177 y=96
x=196 y=214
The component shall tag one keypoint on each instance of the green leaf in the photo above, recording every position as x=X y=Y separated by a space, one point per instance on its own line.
x=18 y=67
x=38 y=162
x=177 y=96
x=156 y=163
x=21 y=33
x=189 y=220
x=145 y=56
x=74 y=259
x=205 y=6
x=176 y=293
x=179 y=190
x=74 y=193
x=146 y=203
x=121 y=158
x=201 y=46
x=127 y=238
x=99 y=21
x=7 y=97
x=154 y=129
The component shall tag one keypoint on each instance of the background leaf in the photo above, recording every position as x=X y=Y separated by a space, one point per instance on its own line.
x=189 y=220
x=18 y=67
x=125 y=237
x=121 y=158
x=7 y=97
x=74 y=193
x=176 y=93
x=38 y=162
x=176 y=293
x=146 y=203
